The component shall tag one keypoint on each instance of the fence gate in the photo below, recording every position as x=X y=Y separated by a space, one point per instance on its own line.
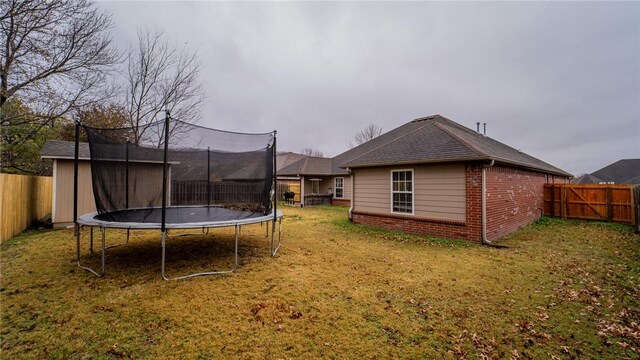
x=616 y=203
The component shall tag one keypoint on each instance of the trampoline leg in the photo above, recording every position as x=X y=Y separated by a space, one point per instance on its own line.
x=164 y=246
x=266 y=235
x=104 y=249
x=163 y=261
x=274 y=251
x=235 y=262
x=124 y=243
x=78 y=252
x=91 y=239
x=275 y=247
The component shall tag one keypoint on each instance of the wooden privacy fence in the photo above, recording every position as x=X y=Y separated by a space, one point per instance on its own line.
x=289 y=187
x=618 y=203
x=23 y=200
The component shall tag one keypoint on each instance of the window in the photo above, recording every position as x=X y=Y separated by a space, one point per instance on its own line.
x=315 y=186
x=339 y=188
x=402 y=191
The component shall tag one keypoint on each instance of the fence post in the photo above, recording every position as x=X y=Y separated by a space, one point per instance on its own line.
x=553 y=200
x=609 y=197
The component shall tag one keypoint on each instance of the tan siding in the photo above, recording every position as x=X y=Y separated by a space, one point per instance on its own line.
x=371 y=191
x=325 y=184
x=347 y=186
x=149 y=187
x=439 y=191
x=64 y=190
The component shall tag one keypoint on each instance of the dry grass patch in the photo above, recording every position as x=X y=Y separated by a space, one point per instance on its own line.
x=563 y=289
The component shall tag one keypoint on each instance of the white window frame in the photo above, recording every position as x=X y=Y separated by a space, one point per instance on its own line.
x=413 y=187
x=314 y=183
x=336 y=187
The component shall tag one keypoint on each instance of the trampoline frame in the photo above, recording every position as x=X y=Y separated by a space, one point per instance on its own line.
x=89 y=220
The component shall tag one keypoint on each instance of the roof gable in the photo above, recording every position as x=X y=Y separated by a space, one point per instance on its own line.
x=438 y=139
x=620 y=172
x=309 y=165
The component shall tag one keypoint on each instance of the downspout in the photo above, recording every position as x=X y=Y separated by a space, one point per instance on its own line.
x=484 y=202
x=301 y=190
x=352 y=195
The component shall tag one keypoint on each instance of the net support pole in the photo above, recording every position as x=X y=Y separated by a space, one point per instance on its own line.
x=275 y=181
x=275 y=195
x=126 y=177
x=164 y=171
x=75 y=178
x=208 y=176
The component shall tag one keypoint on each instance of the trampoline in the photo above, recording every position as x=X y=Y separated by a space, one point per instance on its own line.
x=182 y=184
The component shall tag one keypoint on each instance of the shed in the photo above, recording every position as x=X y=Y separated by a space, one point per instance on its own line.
x=62 y=153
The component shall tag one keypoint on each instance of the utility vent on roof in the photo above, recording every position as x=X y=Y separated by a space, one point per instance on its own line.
x=423 y=119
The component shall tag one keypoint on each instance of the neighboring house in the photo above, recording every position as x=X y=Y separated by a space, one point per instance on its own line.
x=285 y=159
x=320 y=181
x=625 y=171
x=586 y=179
x=435 y=177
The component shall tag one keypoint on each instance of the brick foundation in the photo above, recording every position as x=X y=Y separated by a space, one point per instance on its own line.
x=514 y=200
x=470 y=229
x=341 y=202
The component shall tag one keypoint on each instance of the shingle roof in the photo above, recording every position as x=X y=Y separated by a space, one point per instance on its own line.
x=309 y=165
x=285 y=159
x=624 y=171
x=58 y=149
x=586 y=179
x=436 y=139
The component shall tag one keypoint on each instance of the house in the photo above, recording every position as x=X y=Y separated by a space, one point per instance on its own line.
x=432 y=176
x=625 y=171
x=321 y=181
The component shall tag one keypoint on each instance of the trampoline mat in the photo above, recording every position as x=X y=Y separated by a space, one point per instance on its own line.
x=177 y=215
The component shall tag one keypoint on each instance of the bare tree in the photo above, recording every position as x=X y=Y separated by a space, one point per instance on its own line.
x=55 y=54
x=312 y=152
x=369 y=133
x=160 y=77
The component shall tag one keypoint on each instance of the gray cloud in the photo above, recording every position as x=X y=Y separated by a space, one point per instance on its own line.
x=561 y=81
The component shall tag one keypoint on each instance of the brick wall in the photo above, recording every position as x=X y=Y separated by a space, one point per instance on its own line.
x=341 y=202
x=515 y=198
x=470 y=229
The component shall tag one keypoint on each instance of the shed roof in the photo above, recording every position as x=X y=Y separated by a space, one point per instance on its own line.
x=436 y=139
x=58 y=149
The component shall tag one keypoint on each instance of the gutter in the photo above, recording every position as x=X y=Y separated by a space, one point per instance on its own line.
x=484 y=202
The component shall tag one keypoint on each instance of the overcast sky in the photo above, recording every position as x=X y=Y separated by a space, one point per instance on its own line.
x=560 y=81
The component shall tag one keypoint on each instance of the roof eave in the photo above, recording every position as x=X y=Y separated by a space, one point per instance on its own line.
x=434 y=161
x=455 y=160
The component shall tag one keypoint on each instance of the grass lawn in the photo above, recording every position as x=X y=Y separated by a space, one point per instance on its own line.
x=562 y=289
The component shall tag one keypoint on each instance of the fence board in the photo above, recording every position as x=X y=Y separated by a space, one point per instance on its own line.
x=289 y=186
x=23 y=200
x=592 y=202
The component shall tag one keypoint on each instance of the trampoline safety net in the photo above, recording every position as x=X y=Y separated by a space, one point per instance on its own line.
x=205 y=167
